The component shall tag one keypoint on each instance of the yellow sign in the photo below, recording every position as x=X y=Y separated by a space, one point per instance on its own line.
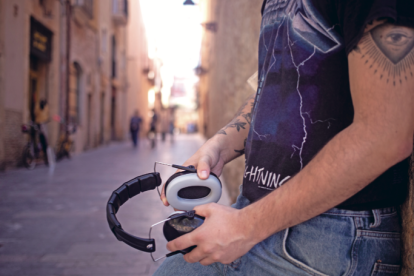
x=39 y=41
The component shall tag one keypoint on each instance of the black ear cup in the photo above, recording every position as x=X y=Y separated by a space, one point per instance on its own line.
x=194 y=192
x=179 y=226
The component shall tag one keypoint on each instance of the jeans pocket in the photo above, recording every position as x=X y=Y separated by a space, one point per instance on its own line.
x=381 y=269
x=295 y=261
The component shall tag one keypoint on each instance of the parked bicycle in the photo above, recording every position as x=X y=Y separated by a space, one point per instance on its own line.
x=32 y=151
x=65 y=143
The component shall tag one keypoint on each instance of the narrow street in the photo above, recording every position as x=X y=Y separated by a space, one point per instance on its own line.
x=55 y=224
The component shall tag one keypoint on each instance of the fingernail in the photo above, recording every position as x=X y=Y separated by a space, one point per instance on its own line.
x=203 y=174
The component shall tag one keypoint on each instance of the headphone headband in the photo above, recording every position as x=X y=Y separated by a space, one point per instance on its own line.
x=121 y=195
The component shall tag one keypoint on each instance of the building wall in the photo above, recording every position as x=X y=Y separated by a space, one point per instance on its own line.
x=91 y=49
x=84 y=53
x=408 y=227
x=137 y=62
x=229 y=57
x=14 y=87
x=2 y=92
x=90 y=97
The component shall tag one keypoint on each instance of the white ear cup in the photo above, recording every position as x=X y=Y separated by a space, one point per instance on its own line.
x=190 y=180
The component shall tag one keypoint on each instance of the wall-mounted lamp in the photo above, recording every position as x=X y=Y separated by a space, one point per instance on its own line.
x=210 y=26
x=189 y=2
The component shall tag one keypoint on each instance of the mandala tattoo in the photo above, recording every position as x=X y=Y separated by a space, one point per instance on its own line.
x=389 y=51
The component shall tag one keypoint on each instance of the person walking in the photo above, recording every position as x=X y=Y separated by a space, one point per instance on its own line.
x=42 y=117
x=134 y=127
x=152 y=133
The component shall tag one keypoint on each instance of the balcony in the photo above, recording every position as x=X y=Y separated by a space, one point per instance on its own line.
x=120 y=12
x=82 y=12
x=86 y=6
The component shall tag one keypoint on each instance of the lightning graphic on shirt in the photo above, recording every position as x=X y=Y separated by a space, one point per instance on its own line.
x=297 y=66
x=264 y=79
x=319 y=121
x=301 y=112
x=302 y=25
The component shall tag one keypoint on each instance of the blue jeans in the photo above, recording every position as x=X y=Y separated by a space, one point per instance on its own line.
x=337 y=242
x=135 y=137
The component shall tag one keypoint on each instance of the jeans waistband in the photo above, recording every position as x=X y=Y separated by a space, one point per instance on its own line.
x=368 y=213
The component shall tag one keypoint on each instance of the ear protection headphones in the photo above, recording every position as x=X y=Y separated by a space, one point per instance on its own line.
x=184 y=190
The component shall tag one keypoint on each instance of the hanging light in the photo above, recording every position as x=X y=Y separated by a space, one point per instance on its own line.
x=189 y=2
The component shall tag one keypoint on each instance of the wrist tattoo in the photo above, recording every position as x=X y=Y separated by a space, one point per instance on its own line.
x=242 y=151
x=388 y=50
x=236 y=123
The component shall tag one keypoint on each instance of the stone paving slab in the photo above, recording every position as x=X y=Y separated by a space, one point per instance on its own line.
x=55 y=224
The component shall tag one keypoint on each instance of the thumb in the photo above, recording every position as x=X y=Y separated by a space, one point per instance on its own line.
x=203 y=210
x=203 y=167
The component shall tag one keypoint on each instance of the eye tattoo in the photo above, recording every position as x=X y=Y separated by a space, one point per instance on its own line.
x=389 y=51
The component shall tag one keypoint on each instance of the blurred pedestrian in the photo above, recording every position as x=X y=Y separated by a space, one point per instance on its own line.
x=134 y=127
x=171 y=129
x=41 y=113
x=152 y=134
x=165 y=119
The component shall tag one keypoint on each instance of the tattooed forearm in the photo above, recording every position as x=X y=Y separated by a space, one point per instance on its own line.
x=241 y=152
x=388 y=50
x=244 y=113
x=248 y=117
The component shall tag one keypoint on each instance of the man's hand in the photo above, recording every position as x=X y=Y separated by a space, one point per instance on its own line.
x=207 y=158
x=223 y=237
x=223 y=147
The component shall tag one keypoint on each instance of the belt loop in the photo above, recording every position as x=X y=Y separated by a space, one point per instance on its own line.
x=377 y=218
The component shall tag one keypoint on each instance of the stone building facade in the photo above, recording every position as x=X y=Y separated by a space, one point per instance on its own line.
x=92 y=86
x=140 y=67
x=98 y=72
x=29 y=70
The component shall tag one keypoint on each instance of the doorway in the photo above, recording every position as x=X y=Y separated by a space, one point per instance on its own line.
x=102 y=119
x=89 y=126
x=113 y=114
x=33 y=86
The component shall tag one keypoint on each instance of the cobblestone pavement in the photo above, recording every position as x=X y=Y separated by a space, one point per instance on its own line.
x=55 y=224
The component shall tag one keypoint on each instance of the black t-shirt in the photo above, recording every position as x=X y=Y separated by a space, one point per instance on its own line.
x=303 y=98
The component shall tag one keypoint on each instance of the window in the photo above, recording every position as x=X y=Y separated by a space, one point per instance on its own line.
x=104 y=43
x=75 y=93
x=113 y=57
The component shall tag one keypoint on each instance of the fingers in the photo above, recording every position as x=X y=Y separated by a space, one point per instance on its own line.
x=196 y=255
x=163 y=197
x=204 y=210
x=181 y=243
x=205 y=255
x=203 y=167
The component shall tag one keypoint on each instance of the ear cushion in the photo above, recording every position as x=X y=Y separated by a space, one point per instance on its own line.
x=190 y=192
x=184 y=190
x=172 y=177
